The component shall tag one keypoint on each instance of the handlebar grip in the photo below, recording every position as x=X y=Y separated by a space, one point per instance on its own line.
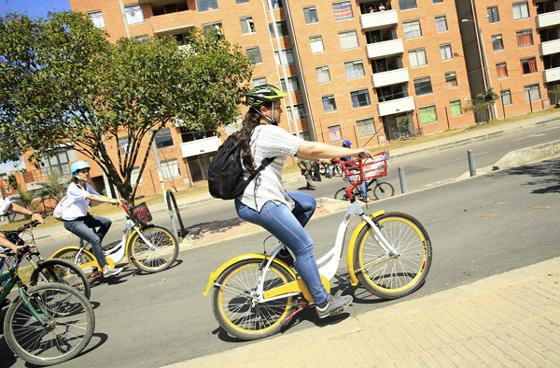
x=362 y=155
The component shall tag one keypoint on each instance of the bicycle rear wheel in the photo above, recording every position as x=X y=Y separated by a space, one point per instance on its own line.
x=159 y=255
x=383 y=190
x=391 y=277
x=69 y=324
x=59 y=270
x=87 y=263
x=341 y=194
x=235 y=304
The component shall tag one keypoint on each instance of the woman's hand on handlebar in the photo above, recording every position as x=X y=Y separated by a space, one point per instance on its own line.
x=38 y=218
x=364 y=153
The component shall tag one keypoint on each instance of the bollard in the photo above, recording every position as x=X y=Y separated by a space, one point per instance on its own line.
x=472 y=164
x=402 y=180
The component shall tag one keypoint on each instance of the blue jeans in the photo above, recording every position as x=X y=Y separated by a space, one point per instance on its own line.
x=287 y=226
x=362 y=188
x=84 y=228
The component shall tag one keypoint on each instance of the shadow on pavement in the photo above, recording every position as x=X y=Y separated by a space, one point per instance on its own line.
x=546 y=175
x=96 y=341
x=214 y=226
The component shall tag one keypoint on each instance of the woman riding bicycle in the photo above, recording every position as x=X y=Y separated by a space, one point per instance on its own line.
x=79 y=222
x=266 y=202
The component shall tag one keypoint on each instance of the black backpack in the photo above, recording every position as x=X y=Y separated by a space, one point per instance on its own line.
x=225 y=173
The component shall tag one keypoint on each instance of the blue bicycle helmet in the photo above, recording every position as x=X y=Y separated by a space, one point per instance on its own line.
x=346 y=143
x=77 y=166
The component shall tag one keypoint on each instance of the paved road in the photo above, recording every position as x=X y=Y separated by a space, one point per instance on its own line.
x=422 y=170
x=479 y=227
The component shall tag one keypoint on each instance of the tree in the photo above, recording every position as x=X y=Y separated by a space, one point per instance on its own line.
x=483 y=103
x=53 y=187
x=62 y=81
x=555 y=95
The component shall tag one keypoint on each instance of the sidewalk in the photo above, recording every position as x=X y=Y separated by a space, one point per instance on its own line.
x=506 y=320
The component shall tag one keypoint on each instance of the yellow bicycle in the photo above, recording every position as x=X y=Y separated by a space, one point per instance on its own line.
x=389 y=253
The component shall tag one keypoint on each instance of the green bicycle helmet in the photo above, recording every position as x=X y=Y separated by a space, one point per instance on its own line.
x=263 y=93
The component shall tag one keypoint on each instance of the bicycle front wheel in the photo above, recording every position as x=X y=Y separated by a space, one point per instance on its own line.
x=383 y=190
x=235 y=303
x=85 y=260
x=68 y=324
x=393 y=276
x=341 y=194
x=59 y=270
x=158 y=253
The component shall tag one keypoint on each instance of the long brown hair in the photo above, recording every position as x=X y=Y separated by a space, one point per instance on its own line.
x=250 y=122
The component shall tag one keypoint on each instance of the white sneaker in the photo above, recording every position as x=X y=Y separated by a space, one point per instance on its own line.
x=112 y=272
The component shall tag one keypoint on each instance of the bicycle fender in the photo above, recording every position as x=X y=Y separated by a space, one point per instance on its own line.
x=352 y=245
x=76 y=248
x=214 y=275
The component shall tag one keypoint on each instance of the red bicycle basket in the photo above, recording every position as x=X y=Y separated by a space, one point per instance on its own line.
x=358 y=170
x=141 y=213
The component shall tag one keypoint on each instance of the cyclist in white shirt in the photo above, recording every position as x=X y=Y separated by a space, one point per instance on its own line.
x=79 y=222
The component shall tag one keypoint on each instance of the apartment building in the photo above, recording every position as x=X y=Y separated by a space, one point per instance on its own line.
x=369 y=71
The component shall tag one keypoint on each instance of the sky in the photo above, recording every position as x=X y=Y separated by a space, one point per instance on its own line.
x=33 y=8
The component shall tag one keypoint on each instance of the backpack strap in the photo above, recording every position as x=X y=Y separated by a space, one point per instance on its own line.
x=264 y=163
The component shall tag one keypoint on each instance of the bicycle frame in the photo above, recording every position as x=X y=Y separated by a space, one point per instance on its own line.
x=328 y=263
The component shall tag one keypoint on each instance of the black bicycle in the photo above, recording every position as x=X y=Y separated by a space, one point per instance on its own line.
x=332 y=169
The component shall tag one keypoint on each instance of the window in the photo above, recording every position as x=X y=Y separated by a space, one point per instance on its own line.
x=437 y=1
x=316 y=44
x=451 y=79
x=163 y=138
x=204 y=5
x=247 y=25
x=58 y=161
x=529 y=66
x=335 y=133
x=423 y=86
x=532 y=93
x=412 y=29
x=417 y=57
x=276 y=4
x=293 y=84
x=133 y=14
x=134 y=176
x=300 y=112
x=525 y=38
x=310 y=15
x=445 y=51
x=342 y=10
x=520 y=11
x=360 y=98
x=259 y=81
x=173 y=7
x=241 y=1
x=456 y=108
x=407 y=4
x=506 y=97
x=286 y=57
x=323 y=74
x=427 y=114
x=493 y=14
x=329 y=103
x=348 y=40
x=354 y=69
x=501 y=70
x=97 y=19
x=497 y=42
x=123 y=145
x=441 y=24
x=170 y=169
x=254 y=55
x=143 y=37
x=210 y=28
x=281 y=28
x=365 y=127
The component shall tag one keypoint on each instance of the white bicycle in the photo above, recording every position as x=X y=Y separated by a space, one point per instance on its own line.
x=255 y=295
x=151 y=248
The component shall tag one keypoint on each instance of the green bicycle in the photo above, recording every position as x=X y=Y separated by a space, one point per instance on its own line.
x=46 y=324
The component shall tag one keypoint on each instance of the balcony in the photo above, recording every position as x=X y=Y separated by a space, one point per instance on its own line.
x=396 y=106
x=549 y=19
x=200 y=146
x=172 y=23
x=550 y=47
x=385 y=48
x=552 y=74
x=384 y=19
x=390 y=77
